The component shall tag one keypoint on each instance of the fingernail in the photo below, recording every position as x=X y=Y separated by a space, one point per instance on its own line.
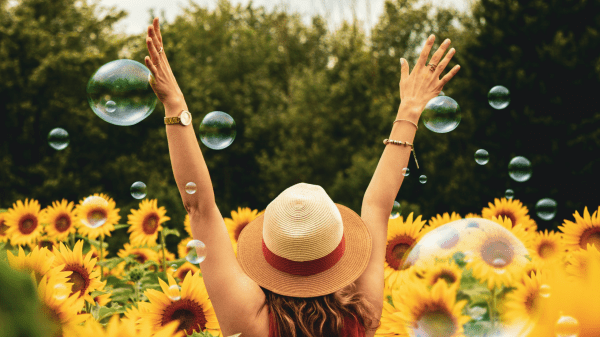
x=447 y=42
x=402 y=61
x=431 y=37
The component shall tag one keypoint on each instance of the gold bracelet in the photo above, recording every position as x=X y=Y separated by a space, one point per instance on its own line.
x=406 y=120
x=399 y=142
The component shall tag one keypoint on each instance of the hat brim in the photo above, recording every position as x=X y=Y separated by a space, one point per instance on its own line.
x=352 y=264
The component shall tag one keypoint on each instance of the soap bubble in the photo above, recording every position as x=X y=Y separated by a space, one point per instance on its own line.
x=441 y=93
x=509 y=194
x=190 y=188
x=197 y=252
x=567 y=326
x=482 y=157
x=174 y=292
x=499 y=97
x=58 y=138
x=119 y=92
x=405 y=171
x=96 y=216
x=396 y=210
x=217 y=130
x=61 y=292
x=138 y=190
x=441 y=114
x=546 y=209
x=519 y=169
x=423 y=179
x=544 y=291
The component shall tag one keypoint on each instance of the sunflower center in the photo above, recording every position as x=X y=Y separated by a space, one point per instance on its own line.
x=3 y=228
x=182 y=272
x=497 y=253
x=150 y=224
x=46 y=244
x=397 y=249
x=189 y=313
x=547 y=250
x=531 y=303
x=447 y=276
x=436 y=323
x=140 y=257
x=62 y=223
x=238 y=229
x=591 y=236
x=79 y=277
x=27 y=224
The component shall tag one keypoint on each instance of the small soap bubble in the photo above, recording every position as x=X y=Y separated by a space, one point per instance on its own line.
x=423 y=179
x=519 y=169
x=138 y=190
x=197 y=252
x=174 y=293
x=119 y=92
x=544 y=291
x=58 y=138
x=567 y=326
x=217 y=130
x=190 y=188
x=482 y=157
x=499 y=97
x=509 y=194
x=441 y=114
x=441 y=93
x=111 y=106
x=96 y=216
x=396 y=210
x=546 y=209
x=405 y=171
x=61 y=292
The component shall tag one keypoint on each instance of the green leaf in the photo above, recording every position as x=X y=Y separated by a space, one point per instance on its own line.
x=170 y=231
x=120 y=226
x=105 y=312
x=96 y=243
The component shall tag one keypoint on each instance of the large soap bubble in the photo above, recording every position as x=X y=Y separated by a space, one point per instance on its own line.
x=119 y=92
x=217 y=130
x=441 y=114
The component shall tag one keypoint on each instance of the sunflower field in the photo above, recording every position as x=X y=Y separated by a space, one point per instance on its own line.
x=72 y=286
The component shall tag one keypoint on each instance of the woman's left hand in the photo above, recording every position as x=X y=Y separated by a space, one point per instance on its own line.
x=163 y=81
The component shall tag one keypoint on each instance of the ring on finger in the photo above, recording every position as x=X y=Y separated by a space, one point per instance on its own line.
x=432 y=67
x=160 y=50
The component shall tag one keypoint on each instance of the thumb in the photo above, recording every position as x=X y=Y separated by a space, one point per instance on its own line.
x=403 y=69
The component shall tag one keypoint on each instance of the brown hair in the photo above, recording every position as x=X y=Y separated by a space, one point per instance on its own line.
x=319 y=316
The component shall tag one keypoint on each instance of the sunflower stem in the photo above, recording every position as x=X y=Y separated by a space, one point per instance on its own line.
x=101 y=253
x=72 y=237
x=493 y=309
x=137 y=291
x=164 y=256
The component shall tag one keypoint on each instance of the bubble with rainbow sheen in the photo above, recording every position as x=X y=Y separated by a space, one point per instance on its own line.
x=197 y=251
x=396 y=210
x=217 y=130
x=119 y=92
x=441 y=114
x=138 y=190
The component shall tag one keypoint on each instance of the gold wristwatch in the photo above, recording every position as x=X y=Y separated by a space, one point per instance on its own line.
x=184 y=118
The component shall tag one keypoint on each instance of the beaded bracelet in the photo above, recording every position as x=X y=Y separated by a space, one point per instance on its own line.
x=398 y=142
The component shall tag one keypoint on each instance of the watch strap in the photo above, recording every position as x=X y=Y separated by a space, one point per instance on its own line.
x=172 y=120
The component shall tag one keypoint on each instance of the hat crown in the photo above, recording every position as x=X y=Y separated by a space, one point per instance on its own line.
x=302 y=224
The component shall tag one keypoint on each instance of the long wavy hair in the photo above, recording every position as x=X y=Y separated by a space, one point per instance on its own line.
x=319 y=316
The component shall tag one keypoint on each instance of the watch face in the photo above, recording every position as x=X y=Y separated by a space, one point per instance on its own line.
x=186 y=118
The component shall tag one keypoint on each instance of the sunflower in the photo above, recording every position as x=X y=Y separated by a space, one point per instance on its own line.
x=58 y=305
x=472 y=215
x=547 y=247
x=146 y=222
x=401 y=237
x=239 y=220
x=23 y=221
x=84 y=278
x=447 y=271
x=140 y=254
x=439 y=220
x=187 y=226
x=182 y=248
x=585 y=230
x=59 y=219
x=497 y=257
x=190 y=305
x=44 y=241
x=527 y=301
x=513 y=209
x=423 y=311
x=580 y=260
x=96 y=209
x=39 y=261
x=525 y=236
x=183 y=270
x=103 y=299
x=96 y=253
x=3 y=227
x=133 y=314
x=121 y=327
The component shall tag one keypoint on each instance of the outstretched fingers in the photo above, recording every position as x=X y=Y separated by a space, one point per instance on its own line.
x=442 y=65
x=425 y=52
x=449 y=75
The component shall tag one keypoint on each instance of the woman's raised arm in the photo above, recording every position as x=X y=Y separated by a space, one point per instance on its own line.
x=235 y=297
x=416 y=89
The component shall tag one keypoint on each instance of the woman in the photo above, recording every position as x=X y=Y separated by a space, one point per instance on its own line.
x=316 y=266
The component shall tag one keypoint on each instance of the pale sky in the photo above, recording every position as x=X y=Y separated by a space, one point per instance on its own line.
x=337 y=10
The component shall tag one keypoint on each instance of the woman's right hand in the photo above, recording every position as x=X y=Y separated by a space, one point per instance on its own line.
x=423 y=84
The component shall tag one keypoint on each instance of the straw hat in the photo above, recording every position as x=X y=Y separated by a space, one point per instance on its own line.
x=304 y=245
